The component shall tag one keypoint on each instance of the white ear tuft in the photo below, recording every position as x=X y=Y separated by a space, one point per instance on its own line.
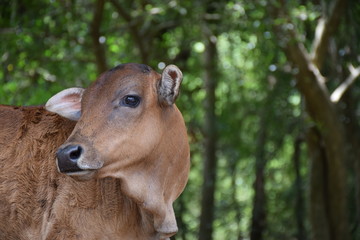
x=169 y=85
x=66 y=103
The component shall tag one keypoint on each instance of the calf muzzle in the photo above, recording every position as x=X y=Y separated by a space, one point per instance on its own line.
x=68 y=157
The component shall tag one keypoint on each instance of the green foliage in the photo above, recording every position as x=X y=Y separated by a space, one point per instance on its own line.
x=42 y=50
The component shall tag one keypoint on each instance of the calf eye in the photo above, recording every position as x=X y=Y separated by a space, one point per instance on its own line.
x=130 y=101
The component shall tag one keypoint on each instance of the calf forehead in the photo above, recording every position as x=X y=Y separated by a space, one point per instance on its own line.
x=122 y=77
x=130 y=72
x=132 y=66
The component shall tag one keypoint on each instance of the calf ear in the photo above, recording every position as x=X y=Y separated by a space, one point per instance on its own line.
x=66 y=103
x=169 y=84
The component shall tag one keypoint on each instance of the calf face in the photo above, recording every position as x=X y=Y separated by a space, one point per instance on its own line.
x=128 y=127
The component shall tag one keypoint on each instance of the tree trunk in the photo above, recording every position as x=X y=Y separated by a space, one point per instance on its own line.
x=99 y=49
x=319 y=219
x=323 y=112
x=210 y=160
x=353 y=153
x=232 y=168
x=258 y=221
x=299 y=201
x=180 y=221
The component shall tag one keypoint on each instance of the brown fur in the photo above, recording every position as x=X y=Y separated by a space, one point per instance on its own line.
x=144 y=155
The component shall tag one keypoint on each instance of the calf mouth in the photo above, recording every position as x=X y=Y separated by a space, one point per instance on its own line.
x=79 y=173
x=74 y=171
x=82 y=175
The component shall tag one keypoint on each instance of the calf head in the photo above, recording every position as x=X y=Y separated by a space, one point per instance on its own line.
x=128 y=127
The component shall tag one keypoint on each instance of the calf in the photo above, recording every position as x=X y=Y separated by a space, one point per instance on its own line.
x=105 y=162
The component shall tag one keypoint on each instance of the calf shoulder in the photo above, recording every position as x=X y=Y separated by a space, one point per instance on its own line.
x=29 y=137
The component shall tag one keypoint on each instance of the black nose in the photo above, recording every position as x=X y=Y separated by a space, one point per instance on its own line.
x=68 y=157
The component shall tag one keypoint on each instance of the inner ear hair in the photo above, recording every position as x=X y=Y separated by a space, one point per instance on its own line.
x=169 y=84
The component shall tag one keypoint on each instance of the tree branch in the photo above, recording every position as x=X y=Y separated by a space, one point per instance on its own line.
x=123 y=13
x=310 y=82
x=326 y=28
x=344 y=86
x=134 y=31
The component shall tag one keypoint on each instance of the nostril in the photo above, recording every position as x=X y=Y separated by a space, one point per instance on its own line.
x=75 y=153
x=68 y=157
x=70 y=153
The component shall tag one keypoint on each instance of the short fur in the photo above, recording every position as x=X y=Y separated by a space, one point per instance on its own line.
x=145 y=163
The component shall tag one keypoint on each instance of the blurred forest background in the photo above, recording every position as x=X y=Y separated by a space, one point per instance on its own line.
x=269 y=96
